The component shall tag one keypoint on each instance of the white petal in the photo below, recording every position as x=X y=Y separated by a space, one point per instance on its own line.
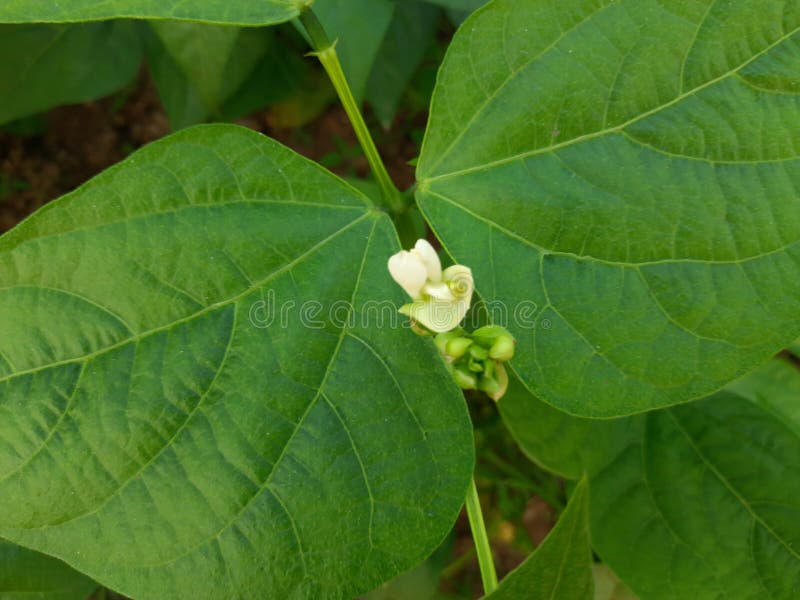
x=430 y=259
x=436 y=315
x=409 y=271
x=439 y=291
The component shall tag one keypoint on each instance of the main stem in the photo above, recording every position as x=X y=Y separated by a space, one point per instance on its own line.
x=325 y=51
x=481 y=539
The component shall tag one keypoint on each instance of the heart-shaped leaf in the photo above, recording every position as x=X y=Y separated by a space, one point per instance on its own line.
x=205 y=388
x=25 y=574
x=695 y=501
x=240 y=12
x=631 y=168
x=562 y=566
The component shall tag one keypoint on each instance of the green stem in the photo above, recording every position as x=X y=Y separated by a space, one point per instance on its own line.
x=484 y=550
x=325 y=51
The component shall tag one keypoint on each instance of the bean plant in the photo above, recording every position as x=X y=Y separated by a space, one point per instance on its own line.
x=212 y=387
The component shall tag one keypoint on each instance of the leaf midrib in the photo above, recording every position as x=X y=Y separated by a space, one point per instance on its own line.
x=425 y=181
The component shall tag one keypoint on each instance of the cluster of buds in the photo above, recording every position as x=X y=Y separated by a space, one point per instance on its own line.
x=440 y=301
x=476 y=359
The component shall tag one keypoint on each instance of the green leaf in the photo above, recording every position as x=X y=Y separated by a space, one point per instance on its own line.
x=411 y=32
x=42 y=66
x=561 y=568
x=557 y=441
x=241 y=12
x=197 y=66
x=283 y=71
x=26 y=575
x=631 y=167
x=696 y=501
x=465 y=5
x=359 y=26
x=204 y=388
x=607 y=586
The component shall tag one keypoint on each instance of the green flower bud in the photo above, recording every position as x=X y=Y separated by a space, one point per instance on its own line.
x=478 y=353
x=503 y=348
x=488 y=334
x=490 y=385
x=488 y=368
x=475 y=365
x=458 y=347
x=442 y=339
x=495 y=387
x=464 y=379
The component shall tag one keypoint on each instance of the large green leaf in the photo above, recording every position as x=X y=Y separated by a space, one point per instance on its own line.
x=631 y=167
x=200 y=394
x=240 y=12
x=28 y=575
x=197 y=66
x=561 y=568
x=42 y=66
x=696 y=501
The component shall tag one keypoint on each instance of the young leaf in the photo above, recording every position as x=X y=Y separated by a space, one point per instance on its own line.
x=695 y=501
x=204 y=388
x=25 y=574
x=632 y=168
x=241 y=12
x=562 y=566
x=42 y=66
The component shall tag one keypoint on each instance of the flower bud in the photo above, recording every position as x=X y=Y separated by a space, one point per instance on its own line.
x=488 y=334
x=464 y=379
x=503 y=348
x=442 y=339
x=495 y=387
x=456 y=348
x=479 y=353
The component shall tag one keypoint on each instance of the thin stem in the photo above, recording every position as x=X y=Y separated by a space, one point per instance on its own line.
x=481 y=539
x=325 y=51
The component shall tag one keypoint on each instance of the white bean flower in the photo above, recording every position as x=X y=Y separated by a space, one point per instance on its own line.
x=441 y=299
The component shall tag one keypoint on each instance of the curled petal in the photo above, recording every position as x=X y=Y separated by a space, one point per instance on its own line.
x=459 y=279
x=408 y=270
x=429 y=258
